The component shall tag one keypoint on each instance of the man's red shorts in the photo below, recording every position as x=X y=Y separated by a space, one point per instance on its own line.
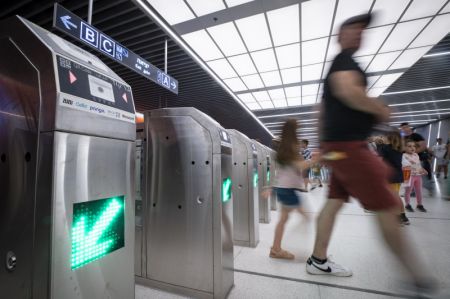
x=360 y=174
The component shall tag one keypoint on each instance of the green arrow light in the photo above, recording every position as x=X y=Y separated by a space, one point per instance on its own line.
x=255 y=179
x=268 y=175
x=226 y=189
x=97 y=230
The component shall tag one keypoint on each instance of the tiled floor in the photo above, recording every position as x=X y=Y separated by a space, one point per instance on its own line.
x=356 y=243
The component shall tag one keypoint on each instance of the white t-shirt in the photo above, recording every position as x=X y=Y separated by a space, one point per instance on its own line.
x=413 y=161
x=439 y=150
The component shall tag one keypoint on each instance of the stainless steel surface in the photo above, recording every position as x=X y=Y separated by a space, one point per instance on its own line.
x=264 y=203
x=89 y=168
x=138 y=206
x=182 y=199
x=245 y=192
x=45 y=171
x=273 y=170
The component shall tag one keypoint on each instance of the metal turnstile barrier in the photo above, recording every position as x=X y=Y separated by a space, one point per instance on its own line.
x=263 y=164
x=246 y=195
x=187 y=204
x=271 y=173
x=67 y=170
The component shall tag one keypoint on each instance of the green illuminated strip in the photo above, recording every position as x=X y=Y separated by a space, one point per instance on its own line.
x=255 y=179
x=226 y=190
x=93 y=232
x=268 y=175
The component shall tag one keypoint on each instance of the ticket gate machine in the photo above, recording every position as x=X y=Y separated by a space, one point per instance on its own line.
x=272 y=170
x=66 y=170
x=264 y=203
x=187 y=204
x=245 y=191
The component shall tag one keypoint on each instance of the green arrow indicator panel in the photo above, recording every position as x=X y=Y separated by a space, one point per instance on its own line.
x=97 y=229
x=226 y=189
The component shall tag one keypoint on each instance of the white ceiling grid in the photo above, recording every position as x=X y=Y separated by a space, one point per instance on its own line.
x=278 y=58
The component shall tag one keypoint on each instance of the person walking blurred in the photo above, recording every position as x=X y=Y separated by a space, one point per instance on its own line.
x=288 y=183
x=306 y=153
x=440 y=152
x=347 y=118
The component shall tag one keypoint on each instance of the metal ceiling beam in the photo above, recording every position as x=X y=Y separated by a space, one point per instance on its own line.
x=231 y=14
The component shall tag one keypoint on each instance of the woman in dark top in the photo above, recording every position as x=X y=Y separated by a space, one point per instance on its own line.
x=391 y=152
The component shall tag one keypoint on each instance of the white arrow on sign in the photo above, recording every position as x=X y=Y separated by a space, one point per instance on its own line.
x=67 y=23
x=174 y=85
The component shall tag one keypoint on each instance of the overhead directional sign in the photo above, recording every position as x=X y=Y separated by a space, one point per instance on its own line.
x=74 y=26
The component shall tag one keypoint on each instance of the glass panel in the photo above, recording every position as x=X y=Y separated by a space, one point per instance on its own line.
x=423 y=8
x=314 y=51
x=261 y=96
x=434 y=32
x=291 y=75
x=203 y=45
x=388 y=11
x=349 y=8
x=387 y=80
x=293 y=92
x=247 y=98
x=382 y=61
x=253 y=81
x=253 y=106
x=254 y=31
x=277 y=94
x=309 y=100
x=316 y=18
x=403 y=34
x=294 y=101
x=280 y=103
x=243 y=64
x=310 y=89
x=266 y=104
x=228 y=39
x=372 y=40
x=201 y=7
x=271 y=78
x=409 y=57
x=284 y=25
x=174 y=11
x=288 y=56
x=222 y=68
x=312 y=72
x=235 y=84
x=265 y=60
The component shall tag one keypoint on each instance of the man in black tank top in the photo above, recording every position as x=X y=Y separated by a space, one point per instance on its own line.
x=348 y=116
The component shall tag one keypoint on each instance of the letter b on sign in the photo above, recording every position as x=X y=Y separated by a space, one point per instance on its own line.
x=89 y=35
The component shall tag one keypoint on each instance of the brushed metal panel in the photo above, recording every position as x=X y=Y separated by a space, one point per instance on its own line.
x=264 y=204
x=89 y=168
x=180 y=203
x=19 y=110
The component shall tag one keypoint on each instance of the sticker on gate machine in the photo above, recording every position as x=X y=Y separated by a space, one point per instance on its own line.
x=94 y=108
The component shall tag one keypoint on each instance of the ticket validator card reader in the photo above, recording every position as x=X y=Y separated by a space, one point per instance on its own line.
x=67 y=170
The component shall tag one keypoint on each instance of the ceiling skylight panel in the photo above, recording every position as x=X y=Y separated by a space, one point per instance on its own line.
x=311 y=72
x=232 y=3
x=446 y=9
x=253 y=106
x=288 y=56
x=202 y=7
x=261 y=96
x=434 y=32
x=326 y=69
x=388 y=11
x=254 y=31
x=308 y=100
x=372 y=40
x=252 y=81
x=316 y=18
x=310 y=89
x=242 y=64
x=363 y=61
x=409 y=57
x=291 y=75
x=173 y=12
x=266 y=104
x=293 y=92
x=247 y=97
x=349 y=8
x=280 y=103
x=203 y=45
x=387 y=80
x=334 y=48
x=235 y=84
x=294 y=101
x=423 y=8
x=277 y=94
x=265 y=60
x=371 y=80
x=271 y=78
x=314 y=51
x=222 y=68
x=376 y=92
x=403 y=34
x=382 y=61
x=227 y=38
x=284 y=24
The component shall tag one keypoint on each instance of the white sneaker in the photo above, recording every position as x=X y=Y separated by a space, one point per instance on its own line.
x=327 y=268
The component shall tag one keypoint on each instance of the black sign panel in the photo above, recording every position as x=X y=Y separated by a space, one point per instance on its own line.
x=74 y=26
